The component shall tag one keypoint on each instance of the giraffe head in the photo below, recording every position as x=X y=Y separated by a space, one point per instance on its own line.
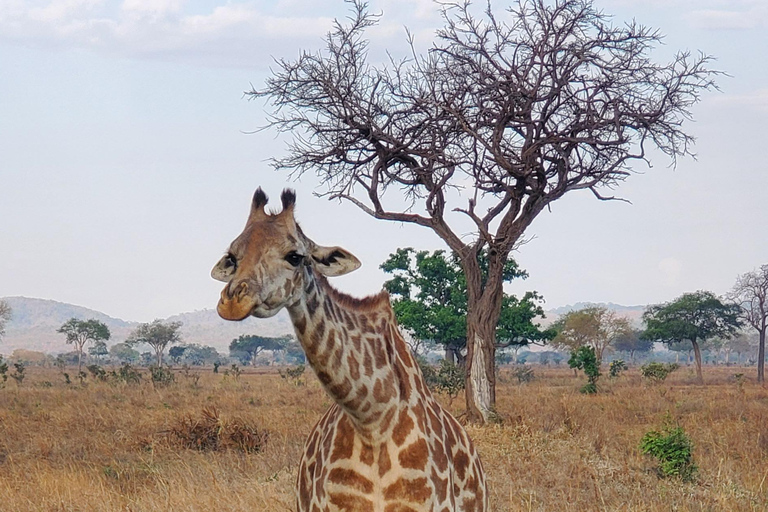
x=266 y=265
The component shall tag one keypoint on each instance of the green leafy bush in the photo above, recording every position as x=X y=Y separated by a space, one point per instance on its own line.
x=161 y=376
x=97 y=372
x=617 y=366
x=126 y=374
x=293 y=374
x=674 y=451
x=658 y=372
x=584 y=358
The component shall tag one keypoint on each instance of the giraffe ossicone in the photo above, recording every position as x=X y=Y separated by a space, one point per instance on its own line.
x=385 y=445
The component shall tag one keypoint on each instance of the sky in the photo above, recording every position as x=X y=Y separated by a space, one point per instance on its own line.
x=128 y=157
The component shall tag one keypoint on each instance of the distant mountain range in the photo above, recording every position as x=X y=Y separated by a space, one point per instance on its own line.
x=34 y=323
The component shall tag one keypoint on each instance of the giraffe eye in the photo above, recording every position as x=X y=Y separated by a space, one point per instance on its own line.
x=230 y=261
x=294 y=258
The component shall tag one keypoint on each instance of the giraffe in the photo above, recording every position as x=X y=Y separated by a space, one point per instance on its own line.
x=385 y=445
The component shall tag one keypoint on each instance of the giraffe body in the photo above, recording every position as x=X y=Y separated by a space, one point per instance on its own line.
x=386 y=445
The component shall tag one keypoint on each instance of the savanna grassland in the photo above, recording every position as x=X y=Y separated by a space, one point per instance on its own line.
x=118 y=447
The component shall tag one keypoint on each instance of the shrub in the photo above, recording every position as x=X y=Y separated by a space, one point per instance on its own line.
x=97 y=372
x=293 y=374
x=617 y=366
x=674 y=451
x=450 y=379
x=658 y=372
x=212 y=433
x=234 y=371
x=18 y=373
x=584 y=358
x=3 y=372
x=161 y=376
x=126 y=374
x=523 y=373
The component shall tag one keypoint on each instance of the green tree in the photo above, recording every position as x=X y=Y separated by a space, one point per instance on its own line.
x=247 y=347
x=584 y=358
x=198 y=355
x=506 y=113
x=98 y=349
x=750 y=294
x=429 y=296
x=176 y=353
x=158 y=335
x=80 y=332
x=692 y=317
x=594 y=326
x=632 y=342
x=5 y=316
x=123 y=353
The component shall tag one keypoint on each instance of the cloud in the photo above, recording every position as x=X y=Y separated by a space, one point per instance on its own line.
x=232 y=34
x=752 y=17
x=754 y=100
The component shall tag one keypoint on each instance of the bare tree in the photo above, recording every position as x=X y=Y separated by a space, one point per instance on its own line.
x=5 y=316
x=502 y=116
x=595 y=327
x=750 y=293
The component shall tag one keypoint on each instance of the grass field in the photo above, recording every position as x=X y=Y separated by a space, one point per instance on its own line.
x=106 y=447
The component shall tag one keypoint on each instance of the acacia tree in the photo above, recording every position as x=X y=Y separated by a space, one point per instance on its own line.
x=594 y=327
x=5 y=316
x=692 y=317
x=251 y=346
x=632 y=342
x=158 y=335
x=750 y=293
x=430 y=300
x=502 y=116
x=80 y=332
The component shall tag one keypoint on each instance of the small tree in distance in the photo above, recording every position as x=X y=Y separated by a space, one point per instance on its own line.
x=506 y=113
x=80 y=332
x=247 y=347
x=5 y=315
x=750 y=294
x=158 y=335
x=594 y=326
x=632 y=342
x=692 y=317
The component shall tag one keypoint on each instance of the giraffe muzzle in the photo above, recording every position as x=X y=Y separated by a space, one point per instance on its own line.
x=235 y=303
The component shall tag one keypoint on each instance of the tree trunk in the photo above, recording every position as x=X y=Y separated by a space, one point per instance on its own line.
x=159 y=354
x=481 y=381
x=697 y=356
x=483 y=312
x=761 y=356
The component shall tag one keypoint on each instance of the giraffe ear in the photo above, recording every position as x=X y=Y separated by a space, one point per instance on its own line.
x=334 y=261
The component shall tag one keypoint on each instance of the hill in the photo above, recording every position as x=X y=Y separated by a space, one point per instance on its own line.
x=34 y=323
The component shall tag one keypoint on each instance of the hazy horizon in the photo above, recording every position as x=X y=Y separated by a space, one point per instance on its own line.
x=128 y=158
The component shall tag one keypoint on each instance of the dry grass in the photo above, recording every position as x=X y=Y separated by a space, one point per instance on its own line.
x=106 y=447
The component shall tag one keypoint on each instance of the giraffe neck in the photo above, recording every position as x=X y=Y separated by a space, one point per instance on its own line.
x=355 y=349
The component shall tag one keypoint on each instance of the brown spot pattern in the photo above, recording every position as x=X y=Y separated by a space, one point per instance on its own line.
x=415 y=455
x=351 y=478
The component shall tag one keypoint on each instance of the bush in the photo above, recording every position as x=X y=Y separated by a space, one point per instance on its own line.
x=617 y=366
x=3 y=372
x=161 y=376
x=18 y=373
x=293 y=374
x=212 y=433
x=97 y=372
x=584 y=358
x=658 y=372
x=674 y=451
x=127 y=374
x=523 y=373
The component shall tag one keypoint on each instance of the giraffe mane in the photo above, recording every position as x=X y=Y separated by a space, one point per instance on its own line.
x=370 y=303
